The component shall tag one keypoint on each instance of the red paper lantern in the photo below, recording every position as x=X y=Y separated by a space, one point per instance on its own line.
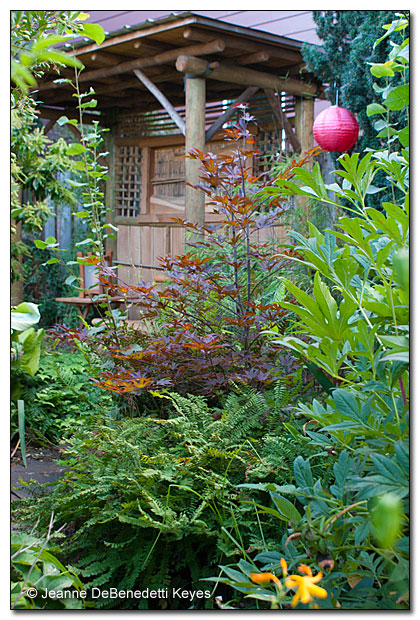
x=336 y=129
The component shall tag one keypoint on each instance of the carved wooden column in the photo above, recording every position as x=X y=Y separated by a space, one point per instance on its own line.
x=195 y=112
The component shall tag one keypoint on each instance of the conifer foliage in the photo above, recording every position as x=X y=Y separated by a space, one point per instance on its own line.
x=342 y=62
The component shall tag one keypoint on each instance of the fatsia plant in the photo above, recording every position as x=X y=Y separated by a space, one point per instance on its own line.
x=213 y=307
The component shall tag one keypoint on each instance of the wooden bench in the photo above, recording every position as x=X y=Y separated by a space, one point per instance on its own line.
x=91 y=289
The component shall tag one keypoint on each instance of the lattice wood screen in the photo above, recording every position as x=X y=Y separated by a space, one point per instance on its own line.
x=127 y=181
x=269 y=143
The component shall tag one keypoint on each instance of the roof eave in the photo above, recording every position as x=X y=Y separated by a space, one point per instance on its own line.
x=185 y=19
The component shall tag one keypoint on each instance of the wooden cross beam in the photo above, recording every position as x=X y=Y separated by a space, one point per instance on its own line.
x=284 y=121
x=215 y=46
x=240 y=43
x=212 y=47
x=162 y=99
x=248 y=77
x=254 y=58
x=223 y=118
x=106 y=58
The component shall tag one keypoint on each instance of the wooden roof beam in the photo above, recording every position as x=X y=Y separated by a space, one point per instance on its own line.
x=106 y=58
x=254 y=58
x=149 y=45
x=223 y=118
x=132 y=35
x=201 y=49
x=162 y=99
x=284 y=121
x=240 y=43
x=246 y=77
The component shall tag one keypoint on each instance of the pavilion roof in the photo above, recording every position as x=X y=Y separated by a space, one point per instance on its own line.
x=155 y=46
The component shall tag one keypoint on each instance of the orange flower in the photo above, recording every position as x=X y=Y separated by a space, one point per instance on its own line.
x=264 y=577
x=283 y=565
x=305 y=586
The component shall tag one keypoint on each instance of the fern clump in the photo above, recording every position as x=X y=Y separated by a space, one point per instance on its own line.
x=155 y=500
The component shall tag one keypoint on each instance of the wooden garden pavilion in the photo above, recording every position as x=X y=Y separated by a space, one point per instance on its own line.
x=167 y=86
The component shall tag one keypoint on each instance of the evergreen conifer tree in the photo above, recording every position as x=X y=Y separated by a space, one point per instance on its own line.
x=341 y=61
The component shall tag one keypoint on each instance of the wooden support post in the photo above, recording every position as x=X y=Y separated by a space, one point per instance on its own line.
x=179 y=122
x=304 y=120
x=195 y=115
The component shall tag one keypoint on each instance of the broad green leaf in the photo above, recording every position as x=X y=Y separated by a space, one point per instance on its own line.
x=75 y=149
x=233 y=574
x=404 y=136
x=387 y=519
x=375 y=108
x=95 y=32
x=89 y=104
x=292 y=431
x=387 y=467
x=341 y=469
x=302 y=472
x=379 y=125
x=63 y=120
x=382 y=69
x=59 y=57
x=48 y=41
x=51 y=261
x=396 y=357
x=24 y=316
x=31 y=342
x=327 y=305
x=401 y=265
x=395 y=26
x=346 y=403
x=71 y=280
x=398 y=97
x=286 y=508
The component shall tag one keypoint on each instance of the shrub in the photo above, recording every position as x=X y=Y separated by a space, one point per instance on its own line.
x=212 y=310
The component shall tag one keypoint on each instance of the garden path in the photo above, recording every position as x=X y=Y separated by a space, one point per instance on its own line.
x=42 y=466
